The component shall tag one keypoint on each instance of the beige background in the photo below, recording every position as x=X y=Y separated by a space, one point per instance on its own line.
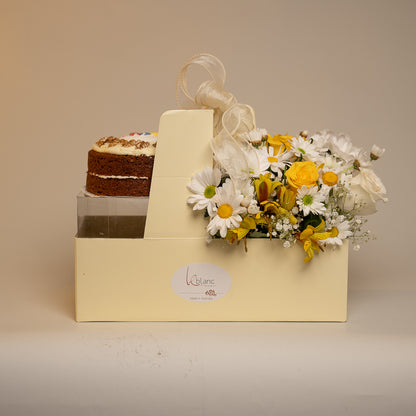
x=74 y=71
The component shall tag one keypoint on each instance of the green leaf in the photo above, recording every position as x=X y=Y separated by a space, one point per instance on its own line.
x=257 y=234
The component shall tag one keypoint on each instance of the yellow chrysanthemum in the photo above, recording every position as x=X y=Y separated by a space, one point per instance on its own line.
x=330 y=178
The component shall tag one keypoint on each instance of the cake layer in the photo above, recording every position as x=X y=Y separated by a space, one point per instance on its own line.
x=109 y=164
x=111 y=186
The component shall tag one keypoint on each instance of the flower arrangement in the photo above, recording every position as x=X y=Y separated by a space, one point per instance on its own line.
x=314 y=190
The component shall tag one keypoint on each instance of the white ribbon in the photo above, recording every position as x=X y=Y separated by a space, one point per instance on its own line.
x=211 y=93
x=231 y=119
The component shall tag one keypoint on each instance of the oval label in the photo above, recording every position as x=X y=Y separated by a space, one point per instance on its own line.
x=201 y=282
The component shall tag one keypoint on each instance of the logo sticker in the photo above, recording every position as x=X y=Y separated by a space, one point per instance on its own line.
x=201 y=282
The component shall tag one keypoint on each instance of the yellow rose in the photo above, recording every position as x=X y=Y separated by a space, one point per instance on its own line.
x=302 y=173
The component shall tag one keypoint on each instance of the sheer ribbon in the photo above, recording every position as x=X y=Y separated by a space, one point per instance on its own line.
x=231 y=120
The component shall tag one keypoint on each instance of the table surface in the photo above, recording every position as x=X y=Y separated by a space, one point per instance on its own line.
x=52 y=365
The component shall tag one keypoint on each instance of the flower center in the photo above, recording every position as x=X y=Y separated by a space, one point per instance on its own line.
x=209 y=191
x=272 y=159
x=225 y=211
x=307 y=200
x=330 y=178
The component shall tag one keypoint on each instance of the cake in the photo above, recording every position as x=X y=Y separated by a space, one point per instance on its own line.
x=121 y=166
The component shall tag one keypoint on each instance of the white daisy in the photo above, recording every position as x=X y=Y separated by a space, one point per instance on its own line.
x=342 y=147
x=322 y=139
x=279 y=161
x=310 y=200
x=255 y=136
x=304 y=148
x=343 y=231
x=324 y=191
x=227 y=209
x=203 y=186
x=361 y=159
x=331 y=163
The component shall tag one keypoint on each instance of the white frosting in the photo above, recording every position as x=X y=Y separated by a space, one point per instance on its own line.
x=117 y=177
x=119 y=149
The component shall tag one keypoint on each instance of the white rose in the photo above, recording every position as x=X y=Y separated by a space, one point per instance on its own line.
x=371 y=183
x=359 y=200
x=365 y=189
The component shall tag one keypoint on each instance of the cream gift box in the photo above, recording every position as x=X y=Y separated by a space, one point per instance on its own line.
x=172 y=274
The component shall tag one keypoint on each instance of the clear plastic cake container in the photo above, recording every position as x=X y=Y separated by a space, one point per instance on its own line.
x=111 y=217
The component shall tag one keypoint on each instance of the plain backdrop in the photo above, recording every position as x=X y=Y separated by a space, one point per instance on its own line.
x=74 y=71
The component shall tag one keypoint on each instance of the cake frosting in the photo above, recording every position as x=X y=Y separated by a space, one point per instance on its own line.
x=134 y=144
x=121 y=166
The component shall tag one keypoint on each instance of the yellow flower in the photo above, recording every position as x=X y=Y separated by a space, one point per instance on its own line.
x=280 y=142
x=264 y=187
x=302 y=173
x=287 y=198
x=274 y=208
x=242 y=230
x=330 y=178
x=271 y=206
x=261 y=219
x=310 y=237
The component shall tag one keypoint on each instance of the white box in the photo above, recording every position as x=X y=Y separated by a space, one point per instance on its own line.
x=147 y=279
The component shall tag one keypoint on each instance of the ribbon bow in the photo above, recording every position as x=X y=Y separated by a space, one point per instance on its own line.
x=232 y=120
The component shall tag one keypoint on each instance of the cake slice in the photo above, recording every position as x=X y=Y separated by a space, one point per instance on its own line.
x=122 y=166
